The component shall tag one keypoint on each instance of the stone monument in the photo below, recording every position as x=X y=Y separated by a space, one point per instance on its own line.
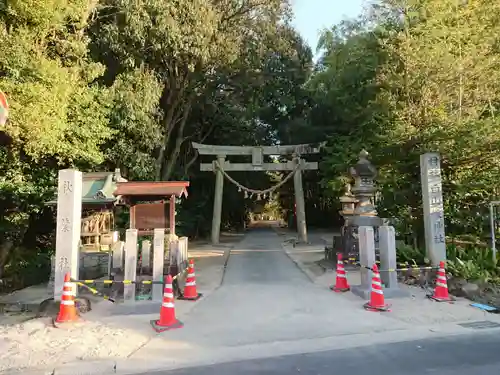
x=432 y=200
x=69 y=212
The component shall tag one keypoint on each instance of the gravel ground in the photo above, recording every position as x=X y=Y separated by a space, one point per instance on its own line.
x=36 y=343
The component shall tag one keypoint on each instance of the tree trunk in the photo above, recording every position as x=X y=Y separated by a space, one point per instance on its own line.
x=168 y=167
x=5 y=249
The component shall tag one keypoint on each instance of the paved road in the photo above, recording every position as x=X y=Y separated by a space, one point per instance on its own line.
x=264 y=298
x=475 y=354
x=266 y=306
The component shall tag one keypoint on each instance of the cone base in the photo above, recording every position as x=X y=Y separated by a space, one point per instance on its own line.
x=195 y=298
x=160 y=328
x=67 y=319
x=339 y=290
x=383 y=308
x=67 y=323
x=438 y=299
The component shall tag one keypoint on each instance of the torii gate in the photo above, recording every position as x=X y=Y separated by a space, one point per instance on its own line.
x=220 y=165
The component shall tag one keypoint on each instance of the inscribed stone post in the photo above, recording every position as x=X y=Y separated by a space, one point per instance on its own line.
x=158 y=263
x=146 y=254
x=367 y=259
x=130 y=264
x=432 y=199
x=69 y=212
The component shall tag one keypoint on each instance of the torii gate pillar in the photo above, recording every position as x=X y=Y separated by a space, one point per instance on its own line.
x=257 y=165
x=300 y=203
x=219 y=190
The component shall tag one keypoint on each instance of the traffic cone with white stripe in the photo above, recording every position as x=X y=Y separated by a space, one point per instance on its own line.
x=67 y=309
x=190 y=292
x=167 y=319
x=377 y=302
x=441 y=291
x=341 y=284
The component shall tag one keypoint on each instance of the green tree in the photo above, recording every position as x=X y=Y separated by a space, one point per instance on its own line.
x=57 y=117
x=186 y=44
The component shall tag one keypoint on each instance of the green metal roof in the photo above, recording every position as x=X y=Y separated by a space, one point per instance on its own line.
x=97 y=187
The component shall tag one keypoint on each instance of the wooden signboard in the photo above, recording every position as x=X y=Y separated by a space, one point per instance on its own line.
x=148 y=216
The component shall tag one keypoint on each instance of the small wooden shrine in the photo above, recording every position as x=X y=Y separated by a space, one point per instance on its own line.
x=98 y=232
x=152 y=204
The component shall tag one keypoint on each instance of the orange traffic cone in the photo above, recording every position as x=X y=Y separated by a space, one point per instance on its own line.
x=441 y=291
x=67 y=309
x=167 y=319
x=190 y=292
x=341 y=284
x=376 y=302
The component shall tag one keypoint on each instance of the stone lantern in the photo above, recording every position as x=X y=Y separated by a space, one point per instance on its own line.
x=348 y=202
x=364 y=174
x=347 y=243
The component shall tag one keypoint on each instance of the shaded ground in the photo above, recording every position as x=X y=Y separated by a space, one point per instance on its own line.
x=468 y=354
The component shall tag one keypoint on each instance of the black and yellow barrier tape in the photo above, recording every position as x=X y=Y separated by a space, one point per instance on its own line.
x=143 y=282
x=94 y=291
x=403 y=269
x=404 y=266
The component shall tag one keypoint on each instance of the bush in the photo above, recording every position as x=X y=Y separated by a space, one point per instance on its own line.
x=409 y=255
x=472 y=263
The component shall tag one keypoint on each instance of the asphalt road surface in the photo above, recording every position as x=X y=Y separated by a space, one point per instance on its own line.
x=474 y=354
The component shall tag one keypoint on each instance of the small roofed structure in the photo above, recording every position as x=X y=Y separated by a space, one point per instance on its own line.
x=98 y=189
x=152 y=204
x=98 y=203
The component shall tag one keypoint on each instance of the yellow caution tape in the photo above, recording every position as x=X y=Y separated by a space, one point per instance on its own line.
x=406 y=267
x=145 y=282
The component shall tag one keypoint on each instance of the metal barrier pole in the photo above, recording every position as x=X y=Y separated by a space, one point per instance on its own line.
x=492 y=231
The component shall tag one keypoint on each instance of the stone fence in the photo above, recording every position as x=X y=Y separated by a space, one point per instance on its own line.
x=130 y=258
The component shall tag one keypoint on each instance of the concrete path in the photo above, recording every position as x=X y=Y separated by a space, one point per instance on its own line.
x=264 y=299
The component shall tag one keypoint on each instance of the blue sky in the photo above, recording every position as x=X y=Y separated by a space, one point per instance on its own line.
x=311 y=16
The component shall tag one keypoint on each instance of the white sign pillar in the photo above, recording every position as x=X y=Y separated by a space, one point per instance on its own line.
x=69 y=213
x=158 y=262
x=432 y=200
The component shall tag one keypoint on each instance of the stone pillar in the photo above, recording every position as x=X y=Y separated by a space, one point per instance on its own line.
x=118 y=256
x=130 y=264
x=173 y=255
x=146 y=255
x=183 y=253
x=300 y=204
x=367 y=259
x=387 y=246
x=432 y=201
x=158 y=263
x=219 y=190
x=69 y=213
